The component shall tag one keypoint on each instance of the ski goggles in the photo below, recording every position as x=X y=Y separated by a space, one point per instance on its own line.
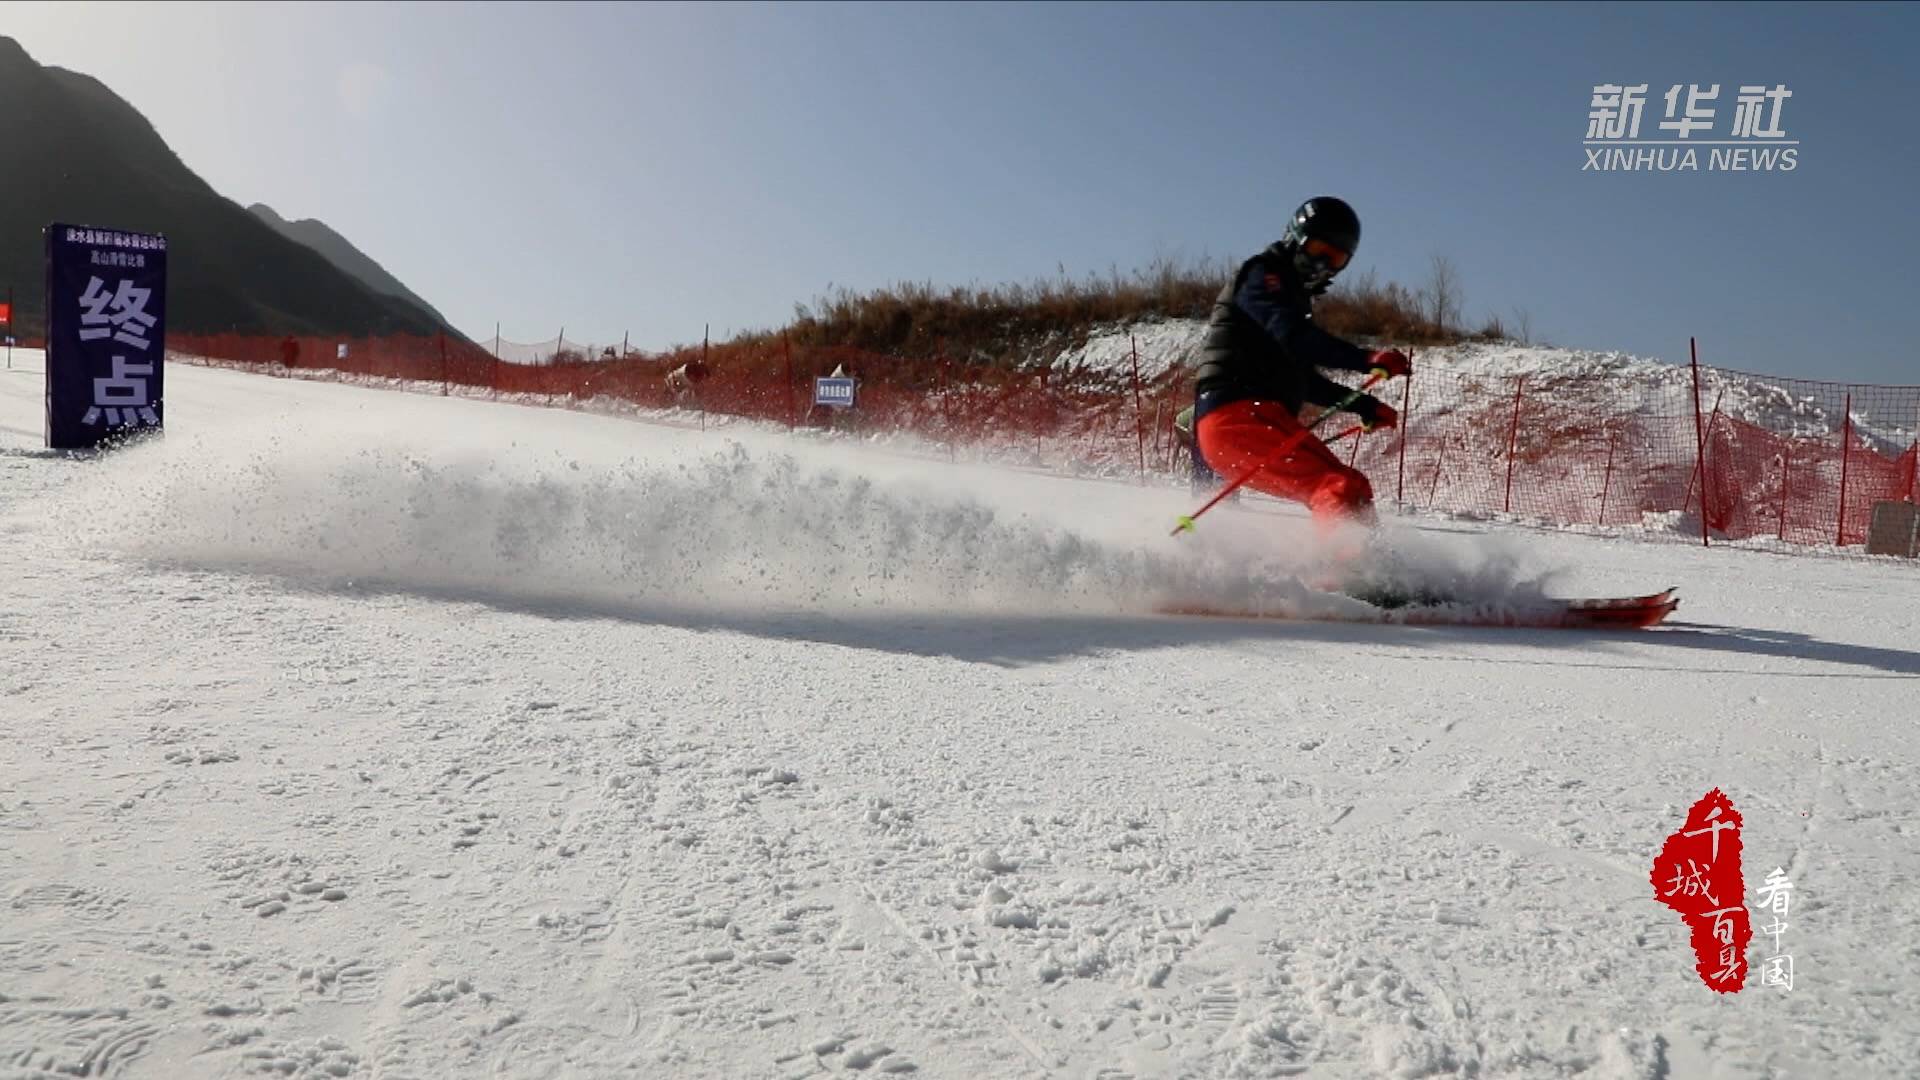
x=1335 y=258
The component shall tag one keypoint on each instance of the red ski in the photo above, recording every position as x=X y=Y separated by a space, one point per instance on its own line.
x=1618 y=613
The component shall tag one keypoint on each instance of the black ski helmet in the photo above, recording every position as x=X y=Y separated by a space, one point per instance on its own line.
x=1326 y=219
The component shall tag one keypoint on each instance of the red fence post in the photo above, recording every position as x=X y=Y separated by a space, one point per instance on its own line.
x=443 y=363
x=1041 y=411
x=1846 y=448
x=1513 y=441
x=946 y=403
x=1700 y=441
x=1699 y=469
x=1406 y=421
x=1606 y=485
x=1139 y=411
x=1786 y=467
x=786 y=346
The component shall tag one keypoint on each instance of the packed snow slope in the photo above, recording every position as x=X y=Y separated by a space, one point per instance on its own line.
x=359 y=733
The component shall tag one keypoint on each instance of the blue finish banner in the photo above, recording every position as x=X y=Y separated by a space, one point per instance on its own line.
x=106 y=334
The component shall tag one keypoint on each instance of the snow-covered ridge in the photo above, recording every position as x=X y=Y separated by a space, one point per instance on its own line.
x=1601 y=383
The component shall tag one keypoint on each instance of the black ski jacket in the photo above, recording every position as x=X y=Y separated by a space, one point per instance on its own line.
x=1262 y=342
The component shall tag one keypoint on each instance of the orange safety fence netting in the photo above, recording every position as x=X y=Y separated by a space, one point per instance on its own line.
x=1796 y=461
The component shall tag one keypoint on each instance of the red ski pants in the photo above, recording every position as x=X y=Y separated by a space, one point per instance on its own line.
x=1244 y=434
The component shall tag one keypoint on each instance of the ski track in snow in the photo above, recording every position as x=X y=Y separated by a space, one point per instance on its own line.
x=349 y=733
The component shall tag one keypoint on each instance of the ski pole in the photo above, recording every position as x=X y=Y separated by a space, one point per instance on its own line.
x=1356 y=429
x=1185 y=523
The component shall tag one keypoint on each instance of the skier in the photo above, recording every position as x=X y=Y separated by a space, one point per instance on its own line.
x=1261 y=355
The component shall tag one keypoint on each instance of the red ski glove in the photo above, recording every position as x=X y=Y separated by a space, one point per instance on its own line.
x=1374 y=413
x=1392 y=361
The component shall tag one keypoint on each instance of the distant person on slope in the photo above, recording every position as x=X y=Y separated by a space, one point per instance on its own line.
x=1262 y=353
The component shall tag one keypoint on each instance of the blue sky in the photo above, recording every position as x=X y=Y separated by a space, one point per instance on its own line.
x=655 y=168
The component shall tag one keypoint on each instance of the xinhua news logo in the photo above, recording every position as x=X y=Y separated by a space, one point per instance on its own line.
x=1754 y=141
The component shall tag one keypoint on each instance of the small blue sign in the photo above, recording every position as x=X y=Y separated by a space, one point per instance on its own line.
x=837 y=393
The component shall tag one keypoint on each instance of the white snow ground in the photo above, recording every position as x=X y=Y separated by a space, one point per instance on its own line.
x=362 y=733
